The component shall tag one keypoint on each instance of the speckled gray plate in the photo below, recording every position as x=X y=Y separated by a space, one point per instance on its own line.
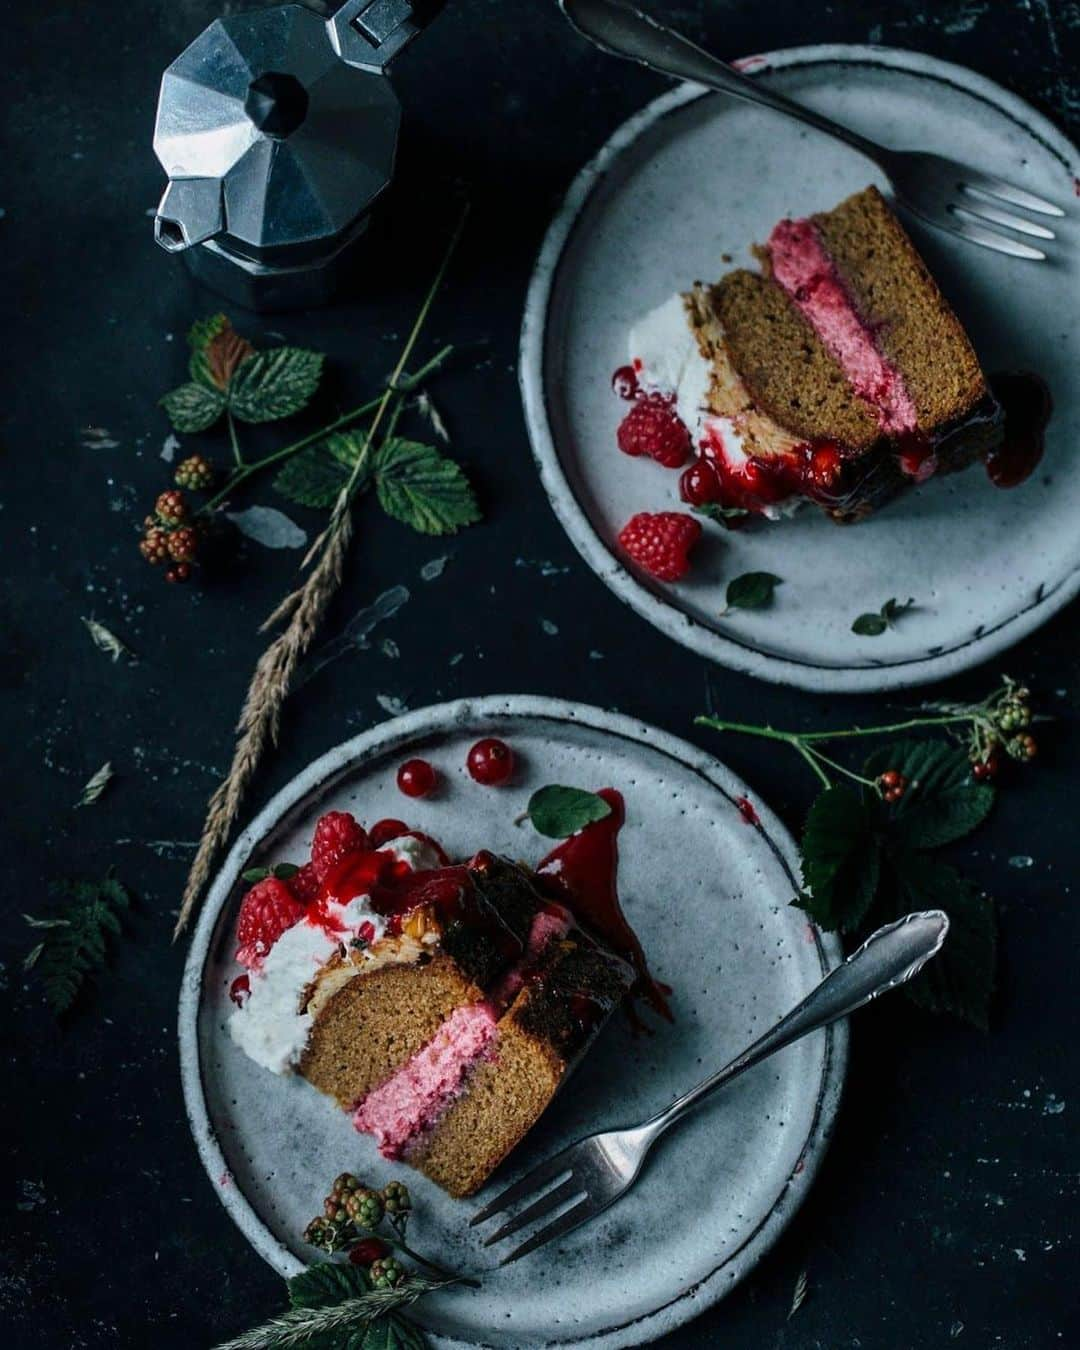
x=694 y=177
x=708 y=893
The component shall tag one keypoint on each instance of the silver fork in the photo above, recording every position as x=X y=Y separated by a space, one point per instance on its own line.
x=600 y=1168
x=945 y=193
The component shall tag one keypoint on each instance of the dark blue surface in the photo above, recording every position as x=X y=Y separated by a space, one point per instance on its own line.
x=946 y=1211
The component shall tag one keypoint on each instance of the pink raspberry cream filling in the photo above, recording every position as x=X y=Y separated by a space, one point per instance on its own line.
x=414 y=1097
x=803 y=268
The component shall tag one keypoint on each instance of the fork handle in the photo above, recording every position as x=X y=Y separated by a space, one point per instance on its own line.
x=621 y=30
x=888 y=958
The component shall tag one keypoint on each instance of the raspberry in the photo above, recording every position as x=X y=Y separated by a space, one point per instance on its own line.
x=369 y=1251
x=267 y=911
x=652 y=427
x=194 y=473
x=305 y=883
x=178 y=572
x=154 y=545
x=183 y=544
x=660 y=543
x=336 y=835
x=171 y=507
x=490 y=762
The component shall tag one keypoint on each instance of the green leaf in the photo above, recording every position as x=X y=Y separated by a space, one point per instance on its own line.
x=280 y=871
x=753 y=590
x=560 y=811
x=325 y=1283
x=873 y=625
x=960 y=979
x=274 y=383
x=941 y=802
x=714 y=511
x=841 y=858
x=76 y=941
x=312 y=478
x=421 y=488
x=193 y=407
x=393 y=1333
x=200 y=335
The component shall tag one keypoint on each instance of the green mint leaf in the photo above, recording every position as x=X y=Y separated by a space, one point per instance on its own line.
x=559 y=811
x=193 y=407
x=280 y=871
x=753 y=590
x=421 y=488
x=274 y=384
x=941 y=802
x=873 y=625
x=76 y=942
x=325 y=1283
x=841 y=858
x=960 y=979
x=200 y=335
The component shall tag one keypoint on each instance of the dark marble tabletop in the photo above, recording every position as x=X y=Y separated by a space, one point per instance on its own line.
x=946 y=1211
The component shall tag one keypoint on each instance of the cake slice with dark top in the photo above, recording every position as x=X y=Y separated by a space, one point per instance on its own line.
x=837 y=374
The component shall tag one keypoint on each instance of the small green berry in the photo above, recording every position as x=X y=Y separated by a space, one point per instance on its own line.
x=396 y=1198
x=386 y=1273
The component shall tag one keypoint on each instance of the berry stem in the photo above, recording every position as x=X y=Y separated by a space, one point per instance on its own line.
x=812 y=761
x=398 y=1243
x=245 y=470
x=233 y=441
x=809 y=737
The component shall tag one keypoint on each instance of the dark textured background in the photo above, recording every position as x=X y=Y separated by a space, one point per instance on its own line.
x=946 y=1211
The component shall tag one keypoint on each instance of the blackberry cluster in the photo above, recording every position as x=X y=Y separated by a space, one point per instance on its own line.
x=170 y=537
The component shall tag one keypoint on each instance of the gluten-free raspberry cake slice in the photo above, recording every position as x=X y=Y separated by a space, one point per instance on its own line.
x=442 y=1004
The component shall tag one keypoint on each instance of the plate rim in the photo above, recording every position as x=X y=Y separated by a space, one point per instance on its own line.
x=380 y=740
x=654 y=608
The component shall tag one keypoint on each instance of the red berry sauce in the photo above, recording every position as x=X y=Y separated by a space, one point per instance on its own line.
x=490 y=762
x=384 y=830
x=582 y=870
x=746 y=810
x=1026 y=402
x=417 y=778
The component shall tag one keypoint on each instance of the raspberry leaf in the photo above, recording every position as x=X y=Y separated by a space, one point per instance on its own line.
x=312 y=478
x=873 y=625
x=76 y=941
x=942 y=803
x=393 y=1333
x=193 y=407
x=274 y=384
x=559 y=811
x=279 y=871
x=421 y=488
x=960 y=980
x=200 y=335
x=325 y=1283
x=841 y=858
x=753 y=590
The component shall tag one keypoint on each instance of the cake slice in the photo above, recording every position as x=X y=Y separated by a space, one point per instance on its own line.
x=837 y=374
x=442 y=1005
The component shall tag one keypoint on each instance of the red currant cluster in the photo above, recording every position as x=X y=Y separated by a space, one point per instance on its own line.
x=490 y=762
x=892 y=785
x=170 y=534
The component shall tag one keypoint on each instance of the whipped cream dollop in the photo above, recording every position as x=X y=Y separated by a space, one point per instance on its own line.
x=270 y=1027
x=667 y=360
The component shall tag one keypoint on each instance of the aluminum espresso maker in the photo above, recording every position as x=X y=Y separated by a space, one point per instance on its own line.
x=278 y=130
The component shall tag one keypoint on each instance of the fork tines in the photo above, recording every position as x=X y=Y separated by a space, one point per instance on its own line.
x=558 y=1186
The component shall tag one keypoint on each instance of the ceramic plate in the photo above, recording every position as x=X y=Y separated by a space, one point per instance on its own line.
x=696 y=176
x=710 y=897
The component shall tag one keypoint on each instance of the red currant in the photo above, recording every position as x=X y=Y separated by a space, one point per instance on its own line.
x=384 y=830
x=700 y=483
x=239 y=990
x=625 y=383
x=416 y=778
x=490 y=762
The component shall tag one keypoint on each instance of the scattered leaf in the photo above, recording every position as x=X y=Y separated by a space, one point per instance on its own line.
x=753 y=590
x=76 y=943
x=107 y=641
x=421 y=488
x=96 y=786
x=30 y=960
x=841 y=858
x=427 y=409
x=798 y=1298
x=274 y=384
x=873 y=625
x=268 y=526
x=559 y=812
